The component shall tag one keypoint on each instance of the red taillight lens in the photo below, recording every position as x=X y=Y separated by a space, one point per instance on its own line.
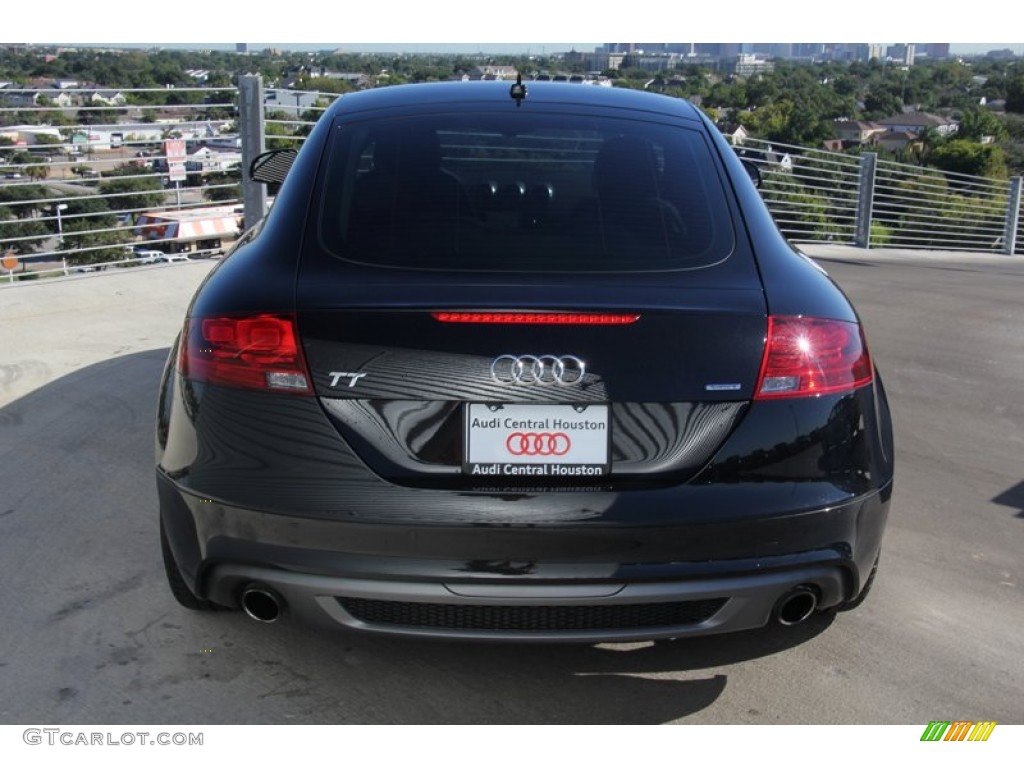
x=251 y=352
x=537 y=318
x=807 y=356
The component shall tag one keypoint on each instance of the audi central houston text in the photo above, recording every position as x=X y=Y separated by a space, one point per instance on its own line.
x=522 y=365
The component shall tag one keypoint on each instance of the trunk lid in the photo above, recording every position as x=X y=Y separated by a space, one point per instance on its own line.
x=427 y=402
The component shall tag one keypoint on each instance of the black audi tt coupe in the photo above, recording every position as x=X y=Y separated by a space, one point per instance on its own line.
x=528 y=366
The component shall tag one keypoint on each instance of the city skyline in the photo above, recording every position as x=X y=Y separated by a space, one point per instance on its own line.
x=457 y=48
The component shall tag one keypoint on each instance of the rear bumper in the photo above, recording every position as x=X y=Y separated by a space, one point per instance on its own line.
x=578 y=583
x=606 y=612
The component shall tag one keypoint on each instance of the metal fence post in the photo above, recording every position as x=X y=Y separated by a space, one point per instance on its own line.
x=1012 y=216
x=865 y=199
x=253 y=136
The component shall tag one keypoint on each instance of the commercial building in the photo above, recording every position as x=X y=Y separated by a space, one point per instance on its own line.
x=191 y=229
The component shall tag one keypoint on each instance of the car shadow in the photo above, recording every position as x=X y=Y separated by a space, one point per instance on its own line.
x=1012 y=497
x=95 y=636
x=439 y=682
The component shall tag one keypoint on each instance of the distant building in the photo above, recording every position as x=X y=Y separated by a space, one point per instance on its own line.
x=602 y=60
x=915 y=122
x=935 y=50
x=106 y=98
x=190 y=229
x=856 y=131
x=493 y=72
x=28 y=135
x=241 y=47
x=12 y=97
x=747 y=64
x=901 y=52
x=904 y=53
x=734 y=133
x=355 y=79
x=292 y=103
x=207 y=159
x=768 y=156
x=896 y=141
x=652 y=63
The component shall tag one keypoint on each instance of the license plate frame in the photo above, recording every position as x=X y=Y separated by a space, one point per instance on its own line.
x=528 y=440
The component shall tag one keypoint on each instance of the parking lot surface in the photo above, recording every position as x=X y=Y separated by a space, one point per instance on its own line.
x=91 y=635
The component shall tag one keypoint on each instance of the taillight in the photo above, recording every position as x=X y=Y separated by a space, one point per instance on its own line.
x=807 y=356
x=538 y=318
x=251 y=352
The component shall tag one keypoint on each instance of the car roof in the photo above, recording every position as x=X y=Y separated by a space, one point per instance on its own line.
x=428 y=95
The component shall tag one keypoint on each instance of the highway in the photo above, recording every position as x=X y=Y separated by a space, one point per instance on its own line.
x=91 y=634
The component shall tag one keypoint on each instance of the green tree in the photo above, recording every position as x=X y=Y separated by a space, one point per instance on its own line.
x=967 y=217
x=91 y=232
x=222 y=186
x=18 y=195
x=908 y=206
x=971 y=158
x=327 y=85
x=135 y=188
x=1014 y=152
x=979 y=122
x=29 y=165
x=785 y=122
x=218 y=79
x=799 y=213
x=13 y=229
x=1014 y=125
x=276 y=125
x=882 y=101
x=1015 y=95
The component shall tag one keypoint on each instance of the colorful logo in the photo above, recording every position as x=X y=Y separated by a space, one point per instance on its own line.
x=538 y=444
x=958 y=730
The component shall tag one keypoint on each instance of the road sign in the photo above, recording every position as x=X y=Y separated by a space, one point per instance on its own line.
x=175 y=151
x=10 y=261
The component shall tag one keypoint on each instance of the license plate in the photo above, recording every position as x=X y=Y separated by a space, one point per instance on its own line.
x=552 y=441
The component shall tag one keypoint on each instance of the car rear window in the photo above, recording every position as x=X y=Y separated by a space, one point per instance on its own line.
x=523 y=192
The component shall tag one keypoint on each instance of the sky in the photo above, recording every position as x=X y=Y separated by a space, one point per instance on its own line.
x=468 y=26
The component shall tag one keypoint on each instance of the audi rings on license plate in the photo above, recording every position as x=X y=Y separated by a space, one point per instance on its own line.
x=552 y=441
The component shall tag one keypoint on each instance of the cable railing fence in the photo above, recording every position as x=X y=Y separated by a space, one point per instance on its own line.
x=91 y=179
x=120 y=177
x=288 y=126
x=821 y=196
x=812 y=194
x=922 y=208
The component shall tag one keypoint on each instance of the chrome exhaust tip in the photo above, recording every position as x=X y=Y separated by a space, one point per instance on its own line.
x=797 y=605
x=261 y=604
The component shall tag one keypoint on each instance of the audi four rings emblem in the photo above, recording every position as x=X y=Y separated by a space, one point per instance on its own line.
x=538 y=443
x=538 y=369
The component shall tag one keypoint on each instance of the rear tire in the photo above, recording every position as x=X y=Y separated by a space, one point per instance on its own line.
x=185 y=596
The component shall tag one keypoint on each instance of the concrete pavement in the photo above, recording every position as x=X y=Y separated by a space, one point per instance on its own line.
x=91 y=634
